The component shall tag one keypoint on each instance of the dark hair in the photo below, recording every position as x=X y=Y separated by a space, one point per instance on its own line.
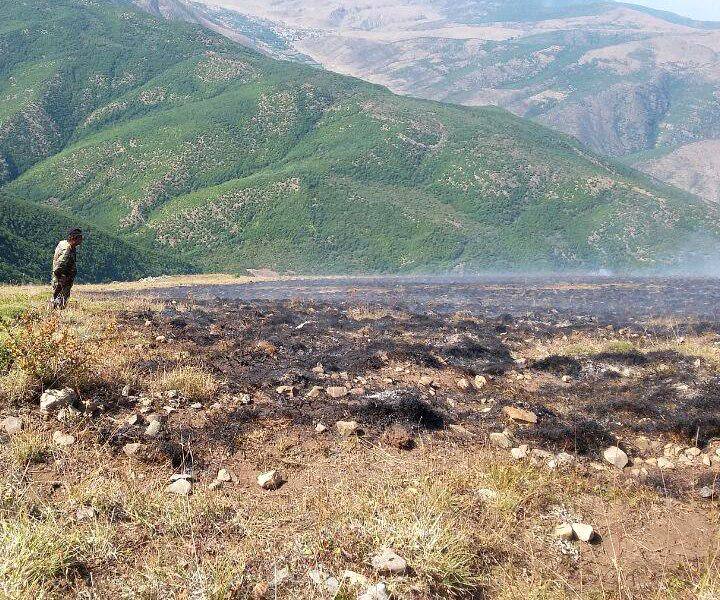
x=74 y=232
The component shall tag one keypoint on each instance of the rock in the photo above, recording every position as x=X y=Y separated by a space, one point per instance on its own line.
x=706 y=460
x=706 y=492
x=398 y=437
x=286 y=390
x=320 y=428
x=63 y=439
x=153 y=428
x=178 y=476
x=520 y=452
x=360 y=391
x=616 y=457
x=386 y=561
x=693 y=452
x=54 y=400
x=584 y=532
x=375 y=592
x=500 y=440
x=346 y=428
x=85 y=513
x=280 y=577
x=354 y=579
x=566 y=379
x=181 y=487
x=336 y=392
x=173 y=394
x=426 y=380
x=134 y=449
x=564 y=532
x=134 y=420
x=325 y=581
x=664 y=463
x=127 y=391
x=315 y=392
x=224 y=475
x=160 y=339
x=196 y=405
x=271 y=480
x=463 y=384
x=487 y=494
x=479 y=382
x=12 y=425
x=518 y=414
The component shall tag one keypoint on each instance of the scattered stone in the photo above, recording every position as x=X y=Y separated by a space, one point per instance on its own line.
x=375 y=592
x=693 y=452
x=133 y=449
x=286 y=390
x=181 y=487
x=196 y=405
x=161 y=339
x=426 y=380
x=127 y=391
x=518 y=414
x=398 y=437
x=85 y=513
x=153 y=428
x=271 y=480
x=584 y=532
x=325 y=581
x=487 y=494
x=315 y=392
x=664 y=463
x=706 y=460
x=346 y=428
x=281 y=577
x=54 y=400
x=566 y=379
x=63 y=439
x=616 y=457
x=386 y=561
x=479 y=382
x=134 y=419
x=173 y=394
x=12 y=425
x=224 y=475
x=336 y=392
x=320 y=428
x=463 y=384
x=360 y=391
x=519 y=453
x=564 y=532
x=706 y=492
x=500 y=440
x=354 y=579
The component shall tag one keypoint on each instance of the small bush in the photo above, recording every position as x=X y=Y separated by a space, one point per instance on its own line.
x=48 y=352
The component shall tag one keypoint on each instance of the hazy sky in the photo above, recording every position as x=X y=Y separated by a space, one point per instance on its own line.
x=707 y=10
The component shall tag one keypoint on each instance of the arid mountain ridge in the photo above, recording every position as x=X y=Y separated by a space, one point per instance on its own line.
x=630 y=82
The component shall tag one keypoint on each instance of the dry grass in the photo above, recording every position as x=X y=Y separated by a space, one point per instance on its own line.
x=193 y=383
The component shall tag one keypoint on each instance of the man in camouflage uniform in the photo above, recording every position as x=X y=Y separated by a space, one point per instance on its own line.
x=64 y=268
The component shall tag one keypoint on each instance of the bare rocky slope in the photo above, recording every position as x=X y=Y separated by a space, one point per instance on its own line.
x=625 y=80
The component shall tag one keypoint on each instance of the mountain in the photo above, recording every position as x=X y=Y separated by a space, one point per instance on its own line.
x=630 y=82
x=173 y=137
x=29 y=233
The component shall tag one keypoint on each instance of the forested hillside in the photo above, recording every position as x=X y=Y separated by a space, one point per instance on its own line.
x=172 y=135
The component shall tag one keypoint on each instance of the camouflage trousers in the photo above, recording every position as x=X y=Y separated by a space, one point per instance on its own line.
x=61 y=291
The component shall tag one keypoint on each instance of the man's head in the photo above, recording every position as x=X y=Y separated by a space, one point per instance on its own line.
x=75 y=237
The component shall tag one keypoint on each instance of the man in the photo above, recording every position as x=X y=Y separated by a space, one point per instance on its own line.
x=64 y=268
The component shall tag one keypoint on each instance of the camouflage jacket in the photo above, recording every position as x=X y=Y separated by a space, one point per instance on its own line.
x=64 y=261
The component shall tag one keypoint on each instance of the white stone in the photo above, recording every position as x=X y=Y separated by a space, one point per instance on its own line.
x=664 y=463
x=584 y=532
x=271 y=480
x=519 y=453
x=12 y=425
x=320 y=428
x=85 y=513
x=616 y=457
x=153 y=428
x=387 y=561
x=53 y=400
x=564 y=532
x=63 y=439
x=375 y=592
x=181 y=487
x=224 y=475
x=133 y=449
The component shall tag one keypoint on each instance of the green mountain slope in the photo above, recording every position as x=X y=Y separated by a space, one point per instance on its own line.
x=29 y=233
x=170 y=133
